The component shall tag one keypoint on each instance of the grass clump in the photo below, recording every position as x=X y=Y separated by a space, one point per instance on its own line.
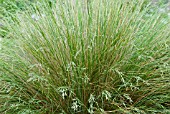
x=98 y=56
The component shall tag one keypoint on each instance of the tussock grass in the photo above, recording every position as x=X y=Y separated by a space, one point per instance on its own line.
x=98 y=56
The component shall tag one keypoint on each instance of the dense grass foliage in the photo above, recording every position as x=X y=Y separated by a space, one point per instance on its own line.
x=8 y=8
x=98 y=56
